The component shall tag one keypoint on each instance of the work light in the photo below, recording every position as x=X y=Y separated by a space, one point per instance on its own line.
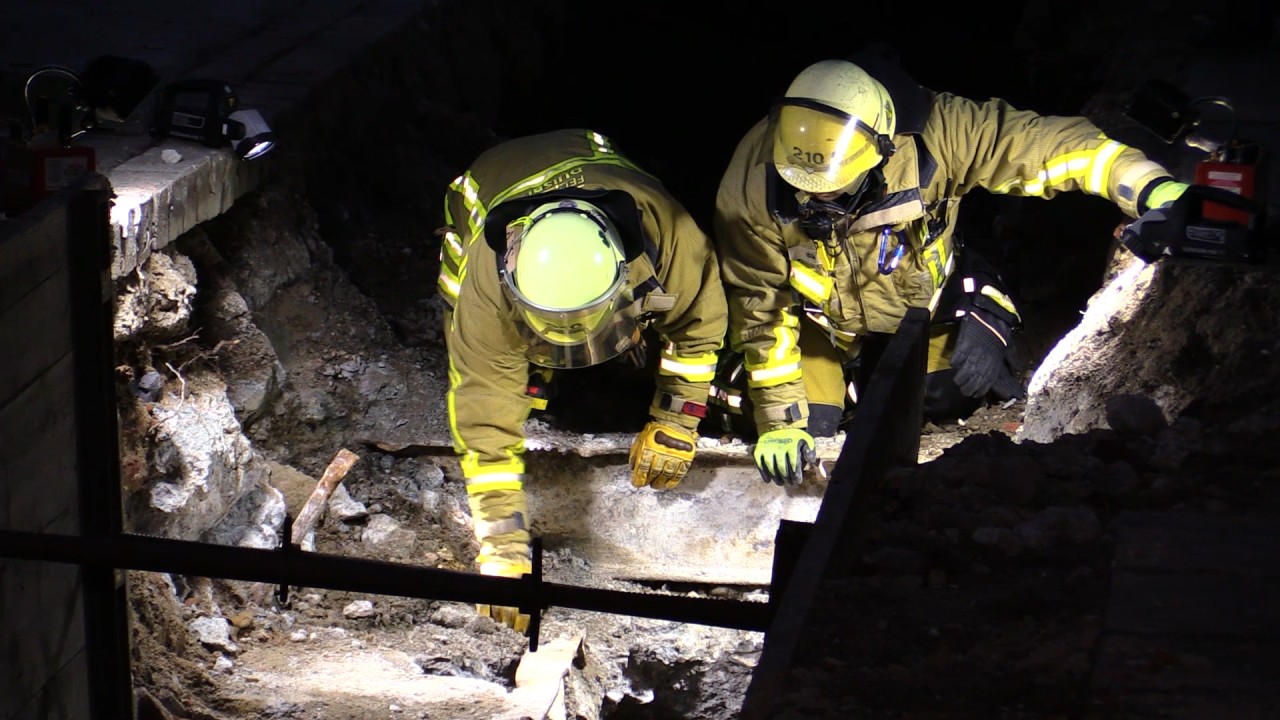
x=249 y=134
x=209 y=111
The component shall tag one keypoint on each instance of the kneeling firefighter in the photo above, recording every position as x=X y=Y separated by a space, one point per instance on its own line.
x=837 y=213
x=835 y=373
x=558 y=253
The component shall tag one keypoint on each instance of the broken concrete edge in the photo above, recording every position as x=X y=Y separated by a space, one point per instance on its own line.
x=590 y=445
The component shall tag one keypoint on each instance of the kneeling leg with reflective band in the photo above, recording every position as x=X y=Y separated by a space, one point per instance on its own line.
x=499 y=511
x=825 y=388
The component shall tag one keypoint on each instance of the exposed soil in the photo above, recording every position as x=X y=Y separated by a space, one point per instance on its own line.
x=417 y=658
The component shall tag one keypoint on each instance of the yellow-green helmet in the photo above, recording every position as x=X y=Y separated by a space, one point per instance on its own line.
x=833 y=126
x=566 y=272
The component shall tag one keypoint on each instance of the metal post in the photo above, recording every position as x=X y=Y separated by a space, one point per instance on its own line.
x=97 y=451
x=885 y=427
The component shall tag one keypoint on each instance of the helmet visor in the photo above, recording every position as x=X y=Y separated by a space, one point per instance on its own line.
x=580 y=336
x=819 y=149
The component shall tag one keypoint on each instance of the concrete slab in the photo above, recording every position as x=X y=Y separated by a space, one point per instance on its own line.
x=716 y=528
x=580 y=495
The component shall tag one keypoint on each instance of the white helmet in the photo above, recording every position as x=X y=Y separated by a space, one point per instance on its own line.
x=833 y=126
x=566 y=272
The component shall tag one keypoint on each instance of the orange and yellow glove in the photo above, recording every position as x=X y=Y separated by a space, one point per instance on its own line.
x=661 y=455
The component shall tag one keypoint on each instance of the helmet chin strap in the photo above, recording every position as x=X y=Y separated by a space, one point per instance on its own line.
x=819 y=217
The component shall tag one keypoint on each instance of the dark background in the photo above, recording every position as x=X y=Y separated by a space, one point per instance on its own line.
x=676 y=84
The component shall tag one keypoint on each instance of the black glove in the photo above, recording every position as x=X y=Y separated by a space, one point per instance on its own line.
x=984 y=357
x=1152 y=233
x=1162 y=230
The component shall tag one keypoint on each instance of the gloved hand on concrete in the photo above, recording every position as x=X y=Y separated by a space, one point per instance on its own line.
x=498 y=511
x=984 y=358
x=782 y=455
x=661 y=455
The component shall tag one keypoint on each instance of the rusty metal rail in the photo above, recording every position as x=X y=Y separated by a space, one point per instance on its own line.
x=885 y=432
x=335 y=572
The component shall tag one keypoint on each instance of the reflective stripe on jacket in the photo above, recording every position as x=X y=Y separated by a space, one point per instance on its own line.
x=770 y=266
x=488 y=370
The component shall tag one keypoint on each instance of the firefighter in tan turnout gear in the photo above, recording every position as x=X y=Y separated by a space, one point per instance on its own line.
x=836 y=214
x=558 y=252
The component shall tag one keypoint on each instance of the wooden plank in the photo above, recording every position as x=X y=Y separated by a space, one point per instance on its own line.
x=539 y=692
x=35 y=333
x=32 y=249
x=38 y=455
x=1219 y=604
x=1195 y=542
x=319 y=498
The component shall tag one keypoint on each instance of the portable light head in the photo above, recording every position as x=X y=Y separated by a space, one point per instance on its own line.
x=209 y=112
x=249 y=134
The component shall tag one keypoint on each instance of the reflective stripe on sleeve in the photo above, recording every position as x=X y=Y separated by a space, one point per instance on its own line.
x=1104 y=158
x=693 y=368
x=469 y=189
x=727 y=397
x=1092 y=168
x=449 y=286
x=783 y=363
x=810 y=284
x=1000 y=299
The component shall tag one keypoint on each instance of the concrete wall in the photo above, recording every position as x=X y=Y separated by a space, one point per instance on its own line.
x=43 y=668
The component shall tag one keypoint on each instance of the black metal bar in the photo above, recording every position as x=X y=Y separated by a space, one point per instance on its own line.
x=97 y=454
x=336 y=572
x=788 y=543
x=534 y=578
x=885 y=428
